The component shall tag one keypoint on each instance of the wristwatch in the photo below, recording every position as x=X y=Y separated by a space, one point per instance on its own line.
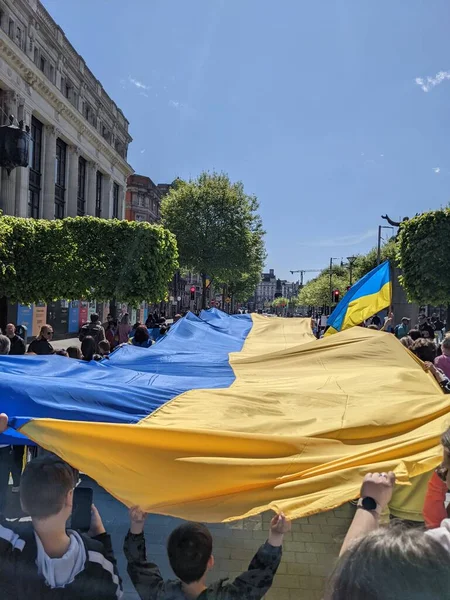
x=369 y=504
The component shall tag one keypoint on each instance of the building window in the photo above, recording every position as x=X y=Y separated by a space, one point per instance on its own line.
x=60 y=179
x=98 y=195
x=19 y=37
x=43 y=64
x=11 y=28
x=34 y=189
x=36 y=56
x=81 y=197
x=116 y=190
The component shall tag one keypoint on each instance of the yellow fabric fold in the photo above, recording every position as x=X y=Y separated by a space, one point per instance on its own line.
x=296 y=431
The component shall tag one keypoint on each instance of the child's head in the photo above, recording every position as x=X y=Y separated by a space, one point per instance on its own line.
x=104 y=348
x=446 y=346
x=46 y=488
x=190 y=552
x=425 y=349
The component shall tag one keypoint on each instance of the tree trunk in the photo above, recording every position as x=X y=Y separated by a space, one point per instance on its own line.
x=203 y=291
x=113 y=308
x=4 y=313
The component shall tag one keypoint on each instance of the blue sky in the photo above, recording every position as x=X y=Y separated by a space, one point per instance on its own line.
x=313 y=105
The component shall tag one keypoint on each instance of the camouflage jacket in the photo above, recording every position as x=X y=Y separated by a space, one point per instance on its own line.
x=251 y=585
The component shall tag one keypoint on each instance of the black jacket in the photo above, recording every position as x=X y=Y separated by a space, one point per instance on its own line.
x=17 y=346
x=251 y=585
x=95 y=330
x=19 y=578
x=41 y=347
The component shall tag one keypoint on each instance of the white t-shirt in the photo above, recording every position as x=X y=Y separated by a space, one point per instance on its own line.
x=442 y=534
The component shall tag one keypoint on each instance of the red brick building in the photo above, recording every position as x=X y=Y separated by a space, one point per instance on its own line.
x=143 y=199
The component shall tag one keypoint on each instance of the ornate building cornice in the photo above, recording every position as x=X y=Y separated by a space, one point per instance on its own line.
x=32 y=76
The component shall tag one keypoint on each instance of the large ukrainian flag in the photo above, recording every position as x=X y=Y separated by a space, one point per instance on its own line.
x=229 y=416
x=368 y=296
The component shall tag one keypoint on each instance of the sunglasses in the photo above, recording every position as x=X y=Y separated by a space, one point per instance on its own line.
x=49 y=332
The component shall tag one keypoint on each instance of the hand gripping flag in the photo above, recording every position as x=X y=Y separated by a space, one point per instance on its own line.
x=368 y=296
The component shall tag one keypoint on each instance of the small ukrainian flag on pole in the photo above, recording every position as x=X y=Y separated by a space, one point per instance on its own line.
x=365 y=298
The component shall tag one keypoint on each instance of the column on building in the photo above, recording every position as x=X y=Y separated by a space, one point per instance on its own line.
x=72 y=187
x=8 y=182
x=122 y=191
x=91 y=173
x=107 y=208
x=48 y=208
x=23 y=173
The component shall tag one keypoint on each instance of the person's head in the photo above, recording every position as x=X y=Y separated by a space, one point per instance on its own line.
x=190 y=552
x=161 y=320
x=424 y=349
x=10 y=330
x=109 y=318
x=104 y=348
x=415 y=334
x=163 y=330
x=94 y=318
x=62 y=353
x=88 y=348
x=5 y=344
x=407 y=341
x=405 y=321
x=125 y=319
x=373 y=327
x=141 y=335
x=136 y=325
x=46 y=488
x=74 y=352
x=46 y=332
x=177 y=318
x=392 y=563
x=446 y=346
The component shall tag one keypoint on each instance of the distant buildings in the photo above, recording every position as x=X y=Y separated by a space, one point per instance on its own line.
x=143 y=199
x=270 y=287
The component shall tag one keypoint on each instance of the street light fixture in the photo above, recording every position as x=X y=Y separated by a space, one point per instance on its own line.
x=351 y=261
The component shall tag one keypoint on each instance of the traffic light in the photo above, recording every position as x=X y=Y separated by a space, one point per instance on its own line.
x=336 y=295
x=193 y=292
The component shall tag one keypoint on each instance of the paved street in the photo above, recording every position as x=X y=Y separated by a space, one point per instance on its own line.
x=64 y=344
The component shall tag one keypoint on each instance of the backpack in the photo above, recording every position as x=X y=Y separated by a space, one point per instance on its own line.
x=92 y=329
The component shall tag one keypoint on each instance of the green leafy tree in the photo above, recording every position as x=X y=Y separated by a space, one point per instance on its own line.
x=84 y=258
x=424 y=258
x=218 y=230
x=317 y=291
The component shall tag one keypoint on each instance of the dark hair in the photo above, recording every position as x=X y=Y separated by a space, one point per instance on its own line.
x=45 y=483
x=414 y=334
x=94 y=318
x=445 y=439
x=104 y=347
x=189 y=549
x=406 y=341
x=141 y=334
x=62 y=353
x=392 y=563
x=163 y=330
x=425 y=349
x=74 y=352
x=88 y=347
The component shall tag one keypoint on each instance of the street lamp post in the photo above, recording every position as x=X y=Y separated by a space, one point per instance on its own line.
x=351 y=260
x=380 y=227
x=331 y=278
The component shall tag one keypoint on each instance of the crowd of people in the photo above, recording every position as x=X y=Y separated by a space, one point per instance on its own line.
x=97 y=340
x=43 y=558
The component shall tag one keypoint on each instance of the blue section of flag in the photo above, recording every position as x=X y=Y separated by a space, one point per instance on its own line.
x=131 y=384
x=370 y=284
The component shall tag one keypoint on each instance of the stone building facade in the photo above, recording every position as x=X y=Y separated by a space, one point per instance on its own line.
x=79 y=137
x=143 y=199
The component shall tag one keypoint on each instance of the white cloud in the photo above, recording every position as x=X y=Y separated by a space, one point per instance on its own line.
x=138 y=84
x=344 y=240
x=174 y=104
x=143 y=150
x=429 y=83
x=437 y=169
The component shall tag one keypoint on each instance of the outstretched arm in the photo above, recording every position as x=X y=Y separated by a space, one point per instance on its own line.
x=3 y=422
x=379 y=487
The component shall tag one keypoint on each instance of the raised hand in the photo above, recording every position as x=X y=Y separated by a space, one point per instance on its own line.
x=278 y=527
x=137 y=519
